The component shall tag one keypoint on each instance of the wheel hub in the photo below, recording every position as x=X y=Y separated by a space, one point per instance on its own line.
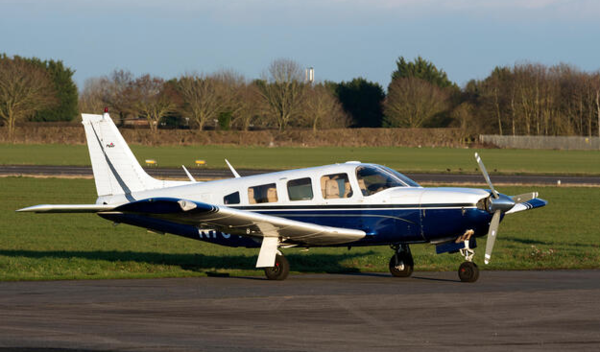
x=400 y=266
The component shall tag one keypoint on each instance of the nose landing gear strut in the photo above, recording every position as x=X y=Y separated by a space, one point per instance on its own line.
x=468 y=271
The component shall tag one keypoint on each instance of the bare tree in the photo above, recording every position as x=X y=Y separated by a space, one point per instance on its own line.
x=571 y=98
x=154 y=99
x=462 y=117
x=24 y=89
x=323 y=110
x=118 y=93
x=596 y=85
x=412 y=101
x=91 y=97
x=592 y=97
x=203 y=97
x=495 y=90
x=283 y=91
x=246 y=106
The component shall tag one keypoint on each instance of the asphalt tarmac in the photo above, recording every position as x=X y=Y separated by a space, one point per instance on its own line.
x=503 y=311
x=208 y=174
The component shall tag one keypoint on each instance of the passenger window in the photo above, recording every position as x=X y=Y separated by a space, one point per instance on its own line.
x=233 y=198
x=336 y=186
x=262 y=194
x=300 y=189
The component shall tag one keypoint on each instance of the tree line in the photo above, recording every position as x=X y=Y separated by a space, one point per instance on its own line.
x=533 y=99
x=36 y=90
x=523 y=99
x=280 y=99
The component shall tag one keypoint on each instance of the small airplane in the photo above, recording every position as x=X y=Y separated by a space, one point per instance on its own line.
x=349 y=204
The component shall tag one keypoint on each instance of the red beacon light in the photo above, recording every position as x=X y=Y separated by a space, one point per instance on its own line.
x=106 y=109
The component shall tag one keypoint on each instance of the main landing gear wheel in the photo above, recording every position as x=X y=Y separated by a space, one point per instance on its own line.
x=401 y=263
x=281 y=269
x=468 y=272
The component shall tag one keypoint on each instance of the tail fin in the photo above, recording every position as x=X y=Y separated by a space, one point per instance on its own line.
x=116 y=170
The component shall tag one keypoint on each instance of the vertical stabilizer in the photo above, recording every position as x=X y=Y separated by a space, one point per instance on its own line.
x=116 y=170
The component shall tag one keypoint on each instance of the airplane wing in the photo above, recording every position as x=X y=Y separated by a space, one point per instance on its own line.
x=239 y=222
x=273 y=230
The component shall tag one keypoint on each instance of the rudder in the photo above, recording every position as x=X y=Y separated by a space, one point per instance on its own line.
x=116 y=170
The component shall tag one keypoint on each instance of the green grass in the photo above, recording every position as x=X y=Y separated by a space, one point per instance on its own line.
x=507 y=161
x=563 y=235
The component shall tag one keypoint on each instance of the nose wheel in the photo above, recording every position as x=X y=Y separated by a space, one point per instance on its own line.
x=468 y=271
x=401 y=263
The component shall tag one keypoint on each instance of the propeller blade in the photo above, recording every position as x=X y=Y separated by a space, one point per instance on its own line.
x=524 y=197
x=485 y=175
x=491 y=238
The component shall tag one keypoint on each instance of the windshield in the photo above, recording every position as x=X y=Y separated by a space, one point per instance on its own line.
x=373 y=179
x=409 y=182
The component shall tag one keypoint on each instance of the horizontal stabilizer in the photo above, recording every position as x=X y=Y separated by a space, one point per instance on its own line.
x=67 y=208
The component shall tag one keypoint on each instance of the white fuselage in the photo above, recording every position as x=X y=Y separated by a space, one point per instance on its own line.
x=214 y=192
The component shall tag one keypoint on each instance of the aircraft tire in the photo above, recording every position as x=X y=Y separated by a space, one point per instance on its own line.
x=468 y=272
x=280 y=271
x=407 y=260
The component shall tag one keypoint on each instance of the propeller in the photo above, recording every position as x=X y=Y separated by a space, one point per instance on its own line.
x=498 y=204
x=485 y=175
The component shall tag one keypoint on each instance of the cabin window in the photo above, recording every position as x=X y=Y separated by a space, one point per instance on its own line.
x=372 y=179
x=336 y=186
x=262 y=194
x=300 y=189
x=233 y=198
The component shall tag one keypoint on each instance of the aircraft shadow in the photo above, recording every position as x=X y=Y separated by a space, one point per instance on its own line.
x=209 y=264
x=546 y=243
x=387 y=275
x=46 y=349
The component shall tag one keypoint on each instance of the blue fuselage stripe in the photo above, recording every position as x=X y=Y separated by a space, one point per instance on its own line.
x=387 y=225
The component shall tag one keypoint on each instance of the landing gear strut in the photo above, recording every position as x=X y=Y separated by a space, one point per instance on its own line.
x=401 y=263
x=468 y=271
x=281 y=269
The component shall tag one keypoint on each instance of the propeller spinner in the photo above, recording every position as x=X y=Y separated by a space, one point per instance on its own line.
x=497 y=204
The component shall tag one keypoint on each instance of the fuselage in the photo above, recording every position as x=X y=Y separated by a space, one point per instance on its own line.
x=389 y=207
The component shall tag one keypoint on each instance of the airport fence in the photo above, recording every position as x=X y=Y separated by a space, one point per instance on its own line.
x=542 y=142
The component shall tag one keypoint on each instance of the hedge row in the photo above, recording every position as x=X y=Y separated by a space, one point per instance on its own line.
x=359 y=137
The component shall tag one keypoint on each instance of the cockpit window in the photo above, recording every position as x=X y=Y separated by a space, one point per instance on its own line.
x=409 y=182
x=374 y=179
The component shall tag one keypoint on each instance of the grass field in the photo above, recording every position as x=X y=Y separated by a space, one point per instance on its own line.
x=564 y=234
x=499 y=161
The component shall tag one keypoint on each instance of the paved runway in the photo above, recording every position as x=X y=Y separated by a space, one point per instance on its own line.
x=204 y=174
x=504 y=311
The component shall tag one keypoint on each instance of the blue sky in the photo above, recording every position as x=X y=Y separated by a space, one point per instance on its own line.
x=341 y=39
